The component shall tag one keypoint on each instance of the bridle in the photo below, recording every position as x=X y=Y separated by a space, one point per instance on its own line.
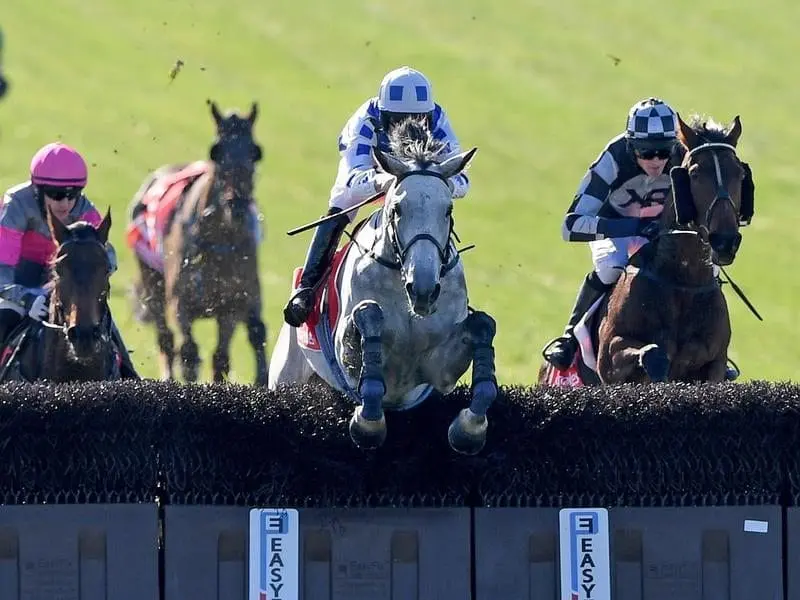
x=448 y=256
x=58 y=309
x=721 y=194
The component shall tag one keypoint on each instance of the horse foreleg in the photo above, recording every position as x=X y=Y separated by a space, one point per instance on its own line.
x=625 y=356
x=257 y=335
x=713 y=372
x=368 y=424
x=190 y=355
x=154 y=299
x=221 y=360
x=467 y=432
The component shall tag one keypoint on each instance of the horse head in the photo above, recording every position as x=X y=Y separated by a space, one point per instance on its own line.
x=417 y=213
x=712 y=189
x=234 y=154
x=79 y=281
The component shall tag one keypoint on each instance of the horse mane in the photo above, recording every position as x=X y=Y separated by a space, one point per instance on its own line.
x=708 y=129
x=412 y=139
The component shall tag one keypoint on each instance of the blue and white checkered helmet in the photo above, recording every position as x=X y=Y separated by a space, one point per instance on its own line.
x=405 y=91
x=651 y=123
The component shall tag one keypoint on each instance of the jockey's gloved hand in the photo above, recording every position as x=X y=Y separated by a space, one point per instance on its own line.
x=648 y=228
x=35 y=305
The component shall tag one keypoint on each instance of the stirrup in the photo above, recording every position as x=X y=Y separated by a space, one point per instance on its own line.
x=566 y=340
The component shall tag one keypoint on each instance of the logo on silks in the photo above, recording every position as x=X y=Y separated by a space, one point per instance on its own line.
x=274 y=554
x=584 y=553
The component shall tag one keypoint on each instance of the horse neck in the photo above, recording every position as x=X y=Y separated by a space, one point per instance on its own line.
x=683 y=260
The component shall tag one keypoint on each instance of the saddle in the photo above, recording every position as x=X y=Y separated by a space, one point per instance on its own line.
x=154 y=213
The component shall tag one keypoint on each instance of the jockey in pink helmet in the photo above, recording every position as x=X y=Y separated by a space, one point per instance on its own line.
x=58 y=175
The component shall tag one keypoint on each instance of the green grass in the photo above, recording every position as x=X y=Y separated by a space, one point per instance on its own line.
x=529 y=82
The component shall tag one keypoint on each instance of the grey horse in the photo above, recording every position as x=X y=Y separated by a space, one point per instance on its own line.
x=406 y=328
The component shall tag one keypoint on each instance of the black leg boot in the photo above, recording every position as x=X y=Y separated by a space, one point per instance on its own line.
x=561 y=351
x=323 y=245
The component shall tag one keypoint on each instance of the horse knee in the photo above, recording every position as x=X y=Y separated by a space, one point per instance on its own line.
x=189 y=352
x=368 y=318
x=166 y=342
x=256 y=332
x=482 y=328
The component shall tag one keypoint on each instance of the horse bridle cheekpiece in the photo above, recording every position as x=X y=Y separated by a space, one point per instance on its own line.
x=105 y=322
x=448 y=258
x=685 y=211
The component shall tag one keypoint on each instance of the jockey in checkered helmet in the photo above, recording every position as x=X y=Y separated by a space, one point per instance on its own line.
x=402 y=92
x=617 y=206
x=652 y=126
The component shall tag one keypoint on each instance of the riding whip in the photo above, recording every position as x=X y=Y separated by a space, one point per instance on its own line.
x=319 y=221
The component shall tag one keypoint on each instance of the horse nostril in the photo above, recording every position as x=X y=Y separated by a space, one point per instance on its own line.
x=72 y=333
x=409 y=288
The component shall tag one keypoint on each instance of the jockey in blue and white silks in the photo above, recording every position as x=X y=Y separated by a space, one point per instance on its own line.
x=403 y=92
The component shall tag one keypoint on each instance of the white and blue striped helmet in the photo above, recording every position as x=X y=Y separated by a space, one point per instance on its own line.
x=651 y=122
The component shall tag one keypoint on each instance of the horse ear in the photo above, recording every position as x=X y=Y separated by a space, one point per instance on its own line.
x=735 y=131
x=104 y=227
x=253 y=113
x=686 y=134
x=215 y=111
x=455 y=164
x=389 y=163
x=57 y=228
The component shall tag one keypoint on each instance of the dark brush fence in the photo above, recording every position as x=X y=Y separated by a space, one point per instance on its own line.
x=661 y=445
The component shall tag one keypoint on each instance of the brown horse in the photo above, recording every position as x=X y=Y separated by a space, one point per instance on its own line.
x=209 y=250
x=75 y=343
x=666 y=319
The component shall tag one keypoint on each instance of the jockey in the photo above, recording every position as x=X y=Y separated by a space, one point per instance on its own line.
x=617 y=206
x=403 y=92
x=58 y=175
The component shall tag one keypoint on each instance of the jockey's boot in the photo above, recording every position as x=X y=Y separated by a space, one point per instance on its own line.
x=320 y=253
x=9 y=319
x=126 y=369
x=561 y=351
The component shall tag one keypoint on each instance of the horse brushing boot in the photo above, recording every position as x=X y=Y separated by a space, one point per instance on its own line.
x=320 y=253
x=561 y=351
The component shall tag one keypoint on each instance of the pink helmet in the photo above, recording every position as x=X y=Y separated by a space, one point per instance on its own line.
x=58 y=165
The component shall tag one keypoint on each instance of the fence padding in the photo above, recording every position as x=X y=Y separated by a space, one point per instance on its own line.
x=78 y=443
x=657 y=445
x=230 y=444
x=675 y=445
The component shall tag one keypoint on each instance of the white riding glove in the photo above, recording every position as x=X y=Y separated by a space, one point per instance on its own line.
x=35 y=305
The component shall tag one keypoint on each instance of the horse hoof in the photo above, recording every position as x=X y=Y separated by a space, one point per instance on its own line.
x=655 y=363
x=467 y=433
x=366 y=433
